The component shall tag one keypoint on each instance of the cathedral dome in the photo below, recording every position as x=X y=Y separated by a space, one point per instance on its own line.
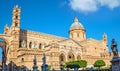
x=76 y=24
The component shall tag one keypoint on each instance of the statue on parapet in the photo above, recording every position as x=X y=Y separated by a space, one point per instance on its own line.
x=44 y=58
x=35 y=67
x=44 y=65
x=114 y=48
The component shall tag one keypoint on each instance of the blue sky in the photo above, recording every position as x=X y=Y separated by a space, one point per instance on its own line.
x=56 y=16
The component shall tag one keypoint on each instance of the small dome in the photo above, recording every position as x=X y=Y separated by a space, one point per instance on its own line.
x=76 y=24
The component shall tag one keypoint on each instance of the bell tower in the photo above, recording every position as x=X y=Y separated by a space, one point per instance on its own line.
x=15 y=32
x=15 y=28
x=16 y=17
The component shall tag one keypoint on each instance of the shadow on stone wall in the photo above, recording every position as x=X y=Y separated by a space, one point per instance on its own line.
x=13 y=67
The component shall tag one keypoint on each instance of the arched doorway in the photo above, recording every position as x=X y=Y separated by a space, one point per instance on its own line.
x=3 y=53
x=78 y=57
x=71 y=56
x=61 y=58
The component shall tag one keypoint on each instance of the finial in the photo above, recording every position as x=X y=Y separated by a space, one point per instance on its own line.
x=16 y=6
x=104 y=33
x=6 y=25
x=75 y=19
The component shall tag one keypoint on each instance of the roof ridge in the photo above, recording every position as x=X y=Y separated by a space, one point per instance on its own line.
x=43 y=33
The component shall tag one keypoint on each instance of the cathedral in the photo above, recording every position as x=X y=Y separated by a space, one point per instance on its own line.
x=22 y=45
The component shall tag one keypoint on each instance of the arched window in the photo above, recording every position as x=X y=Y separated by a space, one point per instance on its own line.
x=77 y=34
x=20 y=44
x=22 y=60
x=71 y=57
x=40 y=46
x=62 y=58
x=16 y=24
x=16 y=17
x=30 y=45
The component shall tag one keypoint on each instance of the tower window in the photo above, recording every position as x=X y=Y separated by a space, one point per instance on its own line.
x=22 y=60
x=16 y=10
x=16 y=17
x=40 y=46
x=16 y=24
x=30 y=44
x=78 y=35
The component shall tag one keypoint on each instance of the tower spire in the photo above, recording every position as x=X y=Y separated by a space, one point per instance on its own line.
x=75 y=19
x=16 y=16
x=105 y=38
x=16 y=6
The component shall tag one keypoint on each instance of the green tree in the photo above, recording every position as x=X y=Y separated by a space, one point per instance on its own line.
x=72 y=64
x=82 y=63
x=75 y=64
x=99 y=63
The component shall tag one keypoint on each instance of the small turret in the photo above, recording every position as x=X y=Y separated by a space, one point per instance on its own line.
x=105 y=38
x=6 y=29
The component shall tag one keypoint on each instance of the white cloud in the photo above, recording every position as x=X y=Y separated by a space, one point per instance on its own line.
x=92 y=5
x=83 y=5
x=110 y=3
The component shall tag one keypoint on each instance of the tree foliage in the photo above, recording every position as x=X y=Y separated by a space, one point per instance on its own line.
x=75 y=64
x=99 y=63
x=72 y=64
x=82 y=63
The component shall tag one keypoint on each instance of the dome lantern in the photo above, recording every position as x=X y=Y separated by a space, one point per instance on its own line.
x=76 y=24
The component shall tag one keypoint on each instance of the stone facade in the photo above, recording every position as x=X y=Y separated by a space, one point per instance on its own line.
x=22 y=45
